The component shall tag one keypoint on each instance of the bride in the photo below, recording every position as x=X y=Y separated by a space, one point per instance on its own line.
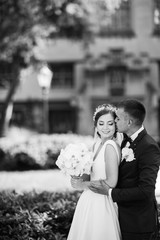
x=96 y=215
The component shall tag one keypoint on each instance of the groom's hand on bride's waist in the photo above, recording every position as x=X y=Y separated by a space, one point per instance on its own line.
x=99 y=186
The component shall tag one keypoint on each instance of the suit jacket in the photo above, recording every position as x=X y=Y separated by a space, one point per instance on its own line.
x=135 y=190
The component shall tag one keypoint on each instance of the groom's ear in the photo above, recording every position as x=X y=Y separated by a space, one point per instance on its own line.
x=130 y=122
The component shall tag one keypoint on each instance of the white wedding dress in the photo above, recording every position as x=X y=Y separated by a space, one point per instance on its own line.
x=96 y=215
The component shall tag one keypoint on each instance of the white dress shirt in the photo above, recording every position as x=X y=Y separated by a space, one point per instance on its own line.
x=135 y=135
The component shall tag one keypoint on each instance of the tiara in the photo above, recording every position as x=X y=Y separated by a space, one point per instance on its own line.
x=103 y=107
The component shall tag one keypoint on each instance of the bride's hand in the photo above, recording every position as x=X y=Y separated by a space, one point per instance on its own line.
x=77 y=182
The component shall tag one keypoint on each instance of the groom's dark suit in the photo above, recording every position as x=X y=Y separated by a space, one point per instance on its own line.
x=135 y=191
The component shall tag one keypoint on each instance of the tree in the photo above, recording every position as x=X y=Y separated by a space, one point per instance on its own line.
x=23 y=22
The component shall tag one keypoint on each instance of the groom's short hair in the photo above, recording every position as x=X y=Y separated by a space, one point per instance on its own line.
x=135 y=109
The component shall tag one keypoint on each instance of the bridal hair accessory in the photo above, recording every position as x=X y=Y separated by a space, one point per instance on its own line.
x=102 y=107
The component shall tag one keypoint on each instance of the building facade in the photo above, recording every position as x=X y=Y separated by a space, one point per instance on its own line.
x=123 y=61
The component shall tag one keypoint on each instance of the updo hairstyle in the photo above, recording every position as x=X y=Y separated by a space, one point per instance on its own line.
x=102 y=110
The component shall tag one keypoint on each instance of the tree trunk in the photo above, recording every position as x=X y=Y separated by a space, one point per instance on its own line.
x=8 y=106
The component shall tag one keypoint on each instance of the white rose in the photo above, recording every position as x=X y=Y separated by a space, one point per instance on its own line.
x=127 y=153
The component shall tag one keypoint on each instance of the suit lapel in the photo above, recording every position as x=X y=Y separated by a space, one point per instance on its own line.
x=134 y=143
x=138 y=139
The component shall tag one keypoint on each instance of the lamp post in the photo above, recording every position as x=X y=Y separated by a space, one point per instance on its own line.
x=44 y=78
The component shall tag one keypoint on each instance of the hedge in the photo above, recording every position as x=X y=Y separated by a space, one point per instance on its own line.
x=37 y=152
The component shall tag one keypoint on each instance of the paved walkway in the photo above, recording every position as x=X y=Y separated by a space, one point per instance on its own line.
x=48 y=180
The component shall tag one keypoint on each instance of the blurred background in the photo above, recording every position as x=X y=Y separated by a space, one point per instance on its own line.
x=97 y=52
x=59 y=59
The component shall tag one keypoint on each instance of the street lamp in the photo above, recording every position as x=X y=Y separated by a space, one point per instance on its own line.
x=44 y=79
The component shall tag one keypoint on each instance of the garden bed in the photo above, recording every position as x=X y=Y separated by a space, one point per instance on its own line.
x=36 y=216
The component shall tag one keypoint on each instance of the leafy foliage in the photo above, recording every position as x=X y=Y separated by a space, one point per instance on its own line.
x=45 y=215
x=17 y=18
x=23 y=22
x=37 y=152
x=36 y=215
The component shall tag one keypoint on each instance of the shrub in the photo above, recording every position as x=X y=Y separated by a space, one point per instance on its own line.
x=22 y=161
x=36 y=216
x=37 y=152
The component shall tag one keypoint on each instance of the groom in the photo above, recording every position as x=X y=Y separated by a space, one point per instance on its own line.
x=135 y=190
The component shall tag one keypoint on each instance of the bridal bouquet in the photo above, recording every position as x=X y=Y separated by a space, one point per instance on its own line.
x=75 y=160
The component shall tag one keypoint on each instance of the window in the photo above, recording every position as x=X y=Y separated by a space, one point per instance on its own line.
x=97 y=78
x=118 y=22
x=157 y=17
x=117 y=76
x=22 y=115
x=6 y=74
x=18 y=118
x=62 y=75
x=62 y=120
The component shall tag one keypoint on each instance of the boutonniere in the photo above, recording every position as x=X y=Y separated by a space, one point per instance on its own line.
x=127 y=153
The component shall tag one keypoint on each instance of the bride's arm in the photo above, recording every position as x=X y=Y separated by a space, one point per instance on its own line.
x=111 y=168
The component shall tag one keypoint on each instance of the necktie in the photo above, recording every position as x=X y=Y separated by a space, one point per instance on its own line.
x=125 y=140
